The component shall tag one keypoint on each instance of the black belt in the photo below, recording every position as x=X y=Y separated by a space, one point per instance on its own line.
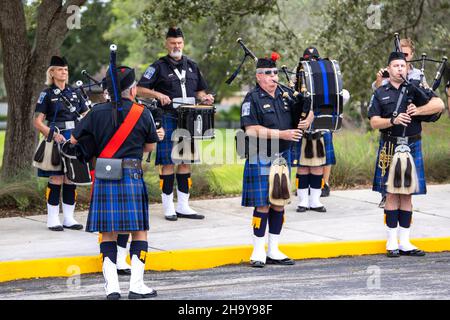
x=62 y=125
x=313 y=136
x=131 y=164
x=398 y=140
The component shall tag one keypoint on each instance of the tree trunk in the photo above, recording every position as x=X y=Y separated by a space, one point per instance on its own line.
x=24 y=74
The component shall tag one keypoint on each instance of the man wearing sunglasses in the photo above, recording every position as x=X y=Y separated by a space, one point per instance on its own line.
x=267 y=120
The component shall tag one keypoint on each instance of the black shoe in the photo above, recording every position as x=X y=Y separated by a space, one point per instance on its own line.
x=413 y=253
x=284 y=262
x=257 y=264
x=325 y=191
x=56 y=228
x=382 y=202
x=113 y=296
x=171 y=218
x=301 y=209
x=74 y=227
x=124 y=272
x=190 y=216
x=393 y=253
x=318 y=209
x=132 y=295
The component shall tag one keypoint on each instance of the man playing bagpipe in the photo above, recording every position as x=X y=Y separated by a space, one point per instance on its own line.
x=397 y=109
x=267 y=120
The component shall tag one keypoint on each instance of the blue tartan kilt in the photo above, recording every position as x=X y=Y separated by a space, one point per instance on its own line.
x=296 y=150
x=255 y=190
x=164 y=147
x=379 y=182
x=119 y=205
x=47 y=174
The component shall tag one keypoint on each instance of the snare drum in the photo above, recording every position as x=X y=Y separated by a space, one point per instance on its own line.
x=321 y=81
x=198 y=120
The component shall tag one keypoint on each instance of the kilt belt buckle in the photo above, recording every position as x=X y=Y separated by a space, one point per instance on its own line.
x=70 y=125
x=402 y=140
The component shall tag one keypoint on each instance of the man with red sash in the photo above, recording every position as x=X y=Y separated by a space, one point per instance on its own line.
x=119 y=202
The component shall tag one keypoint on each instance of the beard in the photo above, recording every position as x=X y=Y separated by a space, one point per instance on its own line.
x=176 y=54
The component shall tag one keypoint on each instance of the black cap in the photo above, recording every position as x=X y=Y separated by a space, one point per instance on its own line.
x=56 y=61
x=268 y=62
x=396 y=56
x=174 y=32
x=310 y=52
x=125 y=75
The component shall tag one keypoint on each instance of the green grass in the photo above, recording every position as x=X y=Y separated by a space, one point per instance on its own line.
x=355 y=156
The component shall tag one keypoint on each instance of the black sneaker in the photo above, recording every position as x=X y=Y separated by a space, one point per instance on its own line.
x=382 y=202
x=325 y=191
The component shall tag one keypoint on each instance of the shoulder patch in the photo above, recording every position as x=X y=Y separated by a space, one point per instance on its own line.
x=149 y=72
x=41 y=97
x=245 y=109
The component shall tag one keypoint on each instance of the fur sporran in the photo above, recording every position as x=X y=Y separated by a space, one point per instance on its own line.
x=47 y=156
x=313 y=151
x=279 y=183
x=402 y=177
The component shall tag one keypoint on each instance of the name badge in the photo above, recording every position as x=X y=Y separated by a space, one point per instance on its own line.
x=70 y=124
x=266 y=106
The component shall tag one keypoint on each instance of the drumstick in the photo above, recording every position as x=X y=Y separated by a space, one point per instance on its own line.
x=203 y=100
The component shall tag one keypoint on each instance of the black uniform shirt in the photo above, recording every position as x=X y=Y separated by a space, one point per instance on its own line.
x=260 y=108
x=160 y=76
x=98 y=123
x=48 y=103
x=384 y=102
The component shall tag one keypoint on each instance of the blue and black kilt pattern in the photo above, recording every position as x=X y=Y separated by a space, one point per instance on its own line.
x=119 y=205
x=296 y=150
x=46 y=174
x=255 y=190
x=379 y=182
x=164 y=147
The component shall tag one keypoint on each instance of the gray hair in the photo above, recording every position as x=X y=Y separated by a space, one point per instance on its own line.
x=127 y=92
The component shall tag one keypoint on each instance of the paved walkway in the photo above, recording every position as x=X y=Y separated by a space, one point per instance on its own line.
x=352 y=215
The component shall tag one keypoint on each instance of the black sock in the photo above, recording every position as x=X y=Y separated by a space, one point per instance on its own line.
x=404 y=218
x=302 y=181
x=69 y=193
x=122 y=239
x=166 y=183
x=139 y=249
x=109 y=249
x=391 y=218
x=315 y=181
x=259 y=223
x=183 y=182
x=53 y=192
x=276 y=219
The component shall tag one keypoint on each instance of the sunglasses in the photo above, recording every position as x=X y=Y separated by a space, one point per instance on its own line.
x=267 y=72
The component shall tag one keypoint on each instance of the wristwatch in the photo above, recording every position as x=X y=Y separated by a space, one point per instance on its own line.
x=392 y=121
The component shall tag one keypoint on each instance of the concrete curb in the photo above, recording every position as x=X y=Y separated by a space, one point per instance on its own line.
x=194 y=259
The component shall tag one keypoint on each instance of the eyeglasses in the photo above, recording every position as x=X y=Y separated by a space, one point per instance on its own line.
x=267 y=72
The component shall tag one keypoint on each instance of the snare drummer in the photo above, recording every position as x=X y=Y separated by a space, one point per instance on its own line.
x=50 y=108
x=174 y=79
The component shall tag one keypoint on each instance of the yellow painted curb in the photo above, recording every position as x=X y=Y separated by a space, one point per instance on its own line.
x=194 y=259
